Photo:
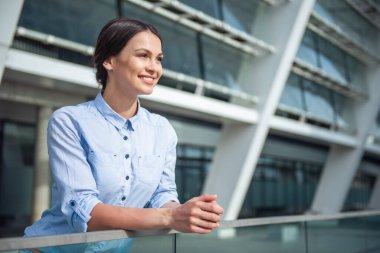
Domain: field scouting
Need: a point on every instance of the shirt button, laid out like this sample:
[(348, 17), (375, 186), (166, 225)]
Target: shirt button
[(123, 198), (72, 203), (125, 138), (127, 178), (126, 156)]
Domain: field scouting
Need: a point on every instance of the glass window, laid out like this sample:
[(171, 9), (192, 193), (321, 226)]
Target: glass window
[(17, 160), (192, 166), (341, 14), (343, 112), (179, 43), (78, 21), (307, 50), (360, 191), (318, 101), (225, 65), (356, 73), (240, 14), (375, 130), (322, 11), (210, 7), (292, 94), (332, 60), (280, 187)]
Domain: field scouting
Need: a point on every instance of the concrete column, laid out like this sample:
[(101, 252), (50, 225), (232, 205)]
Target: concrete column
[(342, 163), (9, 15), (240, 145), (374, 201), (42, 185)]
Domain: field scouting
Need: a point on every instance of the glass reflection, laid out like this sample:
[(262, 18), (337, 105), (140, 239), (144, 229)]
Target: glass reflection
[(16, 169), (78, 21), (225, 65), (240, 14), (343, 112), (210, 7), (341, 14), (332, 61), (307, 50), (345, 235), (292, 94), (318, 101), (271, 238), (180, 44)]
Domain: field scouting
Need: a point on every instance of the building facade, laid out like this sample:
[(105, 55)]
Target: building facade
[(275, 102)]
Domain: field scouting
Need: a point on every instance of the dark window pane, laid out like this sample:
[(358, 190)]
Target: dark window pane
[(240, 14), (332, 60), (78, 21), (210, 7), (307, 50), (292, 94), (179, 43), (318, 101), (224, 65), (17, 160), (343, 112), (357, 28)]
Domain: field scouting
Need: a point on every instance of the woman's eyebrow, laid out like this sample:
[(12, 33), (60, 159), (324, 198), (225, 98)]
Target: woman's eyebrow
[(147, 50)]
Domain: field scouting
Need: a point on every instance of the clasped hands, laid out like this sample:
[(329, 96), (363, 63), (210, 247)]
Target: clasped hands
[(198, 215)]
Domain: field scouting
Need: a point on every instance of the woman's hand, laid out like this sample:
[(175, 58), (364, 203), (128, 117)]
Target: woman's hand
[(198, 215)]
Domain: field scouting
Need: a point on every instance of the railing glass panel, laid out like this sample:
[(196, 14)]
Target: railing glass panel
[(350, 232), (271, 238), (346, 235)]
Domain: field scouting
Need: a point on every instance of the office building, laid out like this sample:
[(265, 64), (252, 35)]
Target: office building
[(275, 102)]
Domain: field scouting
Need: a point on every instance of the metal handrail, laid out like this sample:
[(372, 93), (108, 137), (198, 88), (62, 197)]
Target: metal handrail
[(75, 238)]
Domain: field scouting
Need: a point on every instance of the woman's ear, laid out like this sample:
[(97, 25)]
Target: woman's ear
[(107, 64)]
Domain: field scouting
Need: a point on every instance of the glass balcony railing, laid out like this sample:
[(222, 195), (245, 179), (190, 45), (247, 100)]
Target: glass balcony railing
[(344, 232)]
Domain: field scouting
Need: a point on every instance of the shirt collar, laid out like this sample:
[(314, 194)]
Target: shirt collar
[(113, 117)]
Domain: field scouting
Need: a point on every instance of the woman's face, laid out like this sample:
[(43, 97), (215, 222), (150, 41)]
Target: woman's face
[(137, 68)]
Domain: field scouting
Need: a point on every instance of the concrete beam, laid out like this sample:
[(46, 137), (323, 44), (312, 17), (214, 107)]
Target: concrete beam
[(240, 145), (342, 162), (9, 15)]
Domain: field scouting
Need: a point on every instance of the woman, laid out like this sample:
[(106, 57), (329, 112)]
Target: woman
[(110, 157)]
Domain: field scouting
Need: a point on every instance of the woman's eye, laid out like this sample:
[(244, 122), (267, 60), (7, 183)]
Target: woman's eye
[(143, 55), (159, 59)]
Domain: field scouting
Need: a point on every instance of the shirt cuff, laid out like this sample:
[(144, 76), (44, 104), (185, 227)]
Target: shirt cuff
[(82, 207), (162, 199)]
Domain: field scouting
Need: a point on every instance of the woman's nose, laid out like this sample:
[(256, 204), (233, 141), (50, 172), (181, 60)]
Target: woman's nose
[(153, 66)]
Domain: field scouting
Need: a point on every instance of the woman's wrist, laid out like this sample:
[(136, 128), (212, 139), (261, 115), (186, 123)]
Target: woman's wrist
[(168, 214)]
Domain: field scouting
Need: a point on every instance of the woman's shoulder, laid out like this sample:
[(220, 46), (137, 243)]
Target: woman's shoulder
[(72, 113), (154, 119)]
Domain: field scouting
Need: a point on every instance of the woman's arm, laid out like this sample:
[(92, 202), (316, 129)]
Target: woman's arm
[(198, 215)]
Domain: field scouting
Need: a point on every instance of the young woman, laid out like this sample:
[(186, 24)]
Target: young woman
[(112, 160)]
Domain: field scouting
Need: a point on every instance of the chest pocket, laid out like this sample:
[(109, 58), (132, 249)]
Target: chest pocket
[(148, 168), (107, 168)]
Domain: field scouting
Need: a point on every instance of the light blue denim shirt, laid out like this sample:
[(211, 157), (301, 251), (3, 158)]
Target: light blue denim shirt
[(97, 156)]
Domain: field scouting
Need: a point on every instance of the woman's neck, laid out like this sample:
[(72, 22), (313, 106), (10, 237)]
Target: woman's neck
[(125, 106)]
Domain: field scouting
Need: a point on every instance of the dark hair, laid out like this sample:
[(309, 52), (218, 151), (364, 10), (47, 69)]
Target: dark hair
[(112, 39)]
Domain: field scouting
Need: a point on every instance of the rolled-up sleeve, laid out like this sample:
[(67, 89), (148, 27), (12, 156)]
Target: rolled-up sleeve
[(76, 187), (167, 189)]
